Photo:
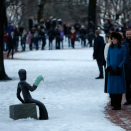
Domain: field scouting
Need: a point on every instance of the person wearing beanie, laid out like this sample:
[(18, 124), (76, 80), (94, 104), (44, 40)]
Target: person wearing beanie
[(116, 59), (127, 43)]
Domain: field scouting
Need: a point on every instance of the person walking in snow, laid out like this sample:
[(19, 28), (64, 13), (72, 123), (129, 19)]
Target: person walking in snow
[(116, 59), (73, 36)]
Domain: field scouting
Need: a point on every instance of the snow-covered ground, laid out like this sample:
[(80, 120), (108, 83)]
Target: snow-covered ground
[(74, 99)]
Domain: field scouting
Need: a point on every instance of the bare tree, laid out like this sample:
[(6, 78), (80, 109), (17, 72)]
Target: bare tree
[(3, 23)]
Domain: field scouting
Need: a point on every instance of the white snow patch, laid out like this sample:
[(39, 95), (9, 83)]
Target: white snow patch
[(74, 99)]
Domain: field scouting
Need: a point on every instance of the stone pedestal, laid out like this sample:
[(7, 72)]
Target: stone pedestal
[(20, 111)]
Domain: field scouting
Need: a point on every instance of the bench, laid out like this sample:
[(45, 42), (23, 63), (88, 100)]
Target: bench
[(21, 111)]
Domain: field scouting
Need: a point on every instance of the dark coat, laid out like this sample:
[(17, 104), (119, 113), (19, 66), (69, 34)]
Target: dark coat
[(90, 34), (116, 58), (16, 35), (51, 35), (98, 48), (82, 34), (11, 42), (68, 31), (21, 30), (57, 34), (23, 39), (77, 27), (30, 24), (48, 25), (127, 65)]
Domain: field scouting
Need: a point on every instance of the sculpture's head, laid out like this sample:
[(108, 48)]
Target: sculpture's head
[(22, 74)]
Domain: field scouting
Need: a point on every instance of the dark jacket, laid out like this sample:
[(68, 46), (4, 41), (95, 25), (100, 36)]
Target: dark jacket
[(48, 25), (16, 35), (51, 35), (82, 33), (98, 48), (77, 27), (23, 39), (11, 42), (21, 30), (42, 34), (127, 65), (30, 24), (57, 34)]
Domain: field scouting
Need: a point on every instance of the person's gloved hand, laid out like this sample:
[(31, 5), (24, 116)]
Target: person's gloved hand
[(118, 71), (109, 69), (38, 80)]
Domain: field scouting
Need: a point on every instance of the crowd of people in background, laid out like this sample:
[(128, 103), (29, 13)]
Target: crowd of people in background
[(55, 30), (51, 29), (112, 25)]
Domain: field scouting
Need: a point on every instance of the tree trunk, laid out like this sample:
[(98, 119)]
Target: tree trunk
[(3, 23), (92, 14)]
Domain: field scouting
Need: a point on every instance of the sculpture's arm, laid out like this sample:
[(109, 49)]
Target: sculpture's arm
[(18, 95), (29, 87), (36, 83)]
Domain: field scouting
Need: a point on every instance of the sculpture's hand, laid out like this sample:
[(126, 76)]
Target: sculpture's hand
[(38, 80)]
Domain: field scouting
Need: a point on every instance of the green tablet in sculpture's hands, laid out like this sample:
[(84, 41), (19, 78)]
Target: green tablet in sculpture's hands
[(38, 80)]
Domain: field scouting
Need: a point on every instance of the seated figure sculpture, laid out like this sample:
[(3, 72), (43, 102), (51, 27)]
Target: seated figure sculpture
[(26, 88)]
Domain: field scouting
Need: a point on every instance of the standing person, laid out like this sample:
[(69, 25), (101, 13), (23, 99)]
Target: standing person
[(68, 34), (11, 44), (54, 23), (48, 26), (30, 23), (127, 43), (57, 36), (5, 40), (77, 27), (43, 39), (106, 27), (73, 36), (30, 38), (65, 29), (116, 59), (83, 35), (9, 28), (16, 35), (23, 40), (108, 43), (98, 53), (61, 29), (90, 36), (36, 38), (21, 28), (51, 37), (35, 23)]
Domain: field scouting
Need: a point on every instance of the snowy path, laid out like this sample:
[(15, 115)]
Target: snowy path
[(74, 99)]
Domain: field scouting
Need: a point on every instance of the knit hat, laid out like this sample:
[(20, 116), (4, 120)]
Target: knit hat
[(116, 35)]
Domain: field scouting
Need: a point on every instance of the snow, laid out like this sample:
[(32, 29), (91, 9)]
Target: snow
[(74, 99)]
